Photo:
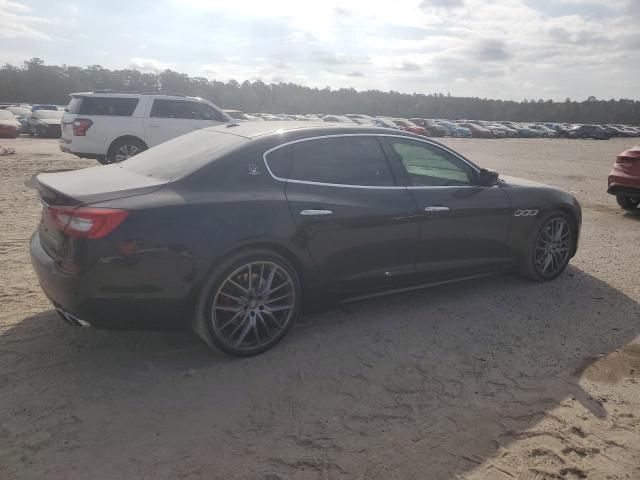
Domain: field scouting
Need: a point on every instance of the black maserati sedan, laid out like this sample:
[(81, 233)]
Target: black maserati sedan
[(232, 229)]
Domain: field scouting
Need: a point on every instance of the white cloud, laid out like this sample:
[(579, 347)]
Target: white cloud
[(148, 64), (16, 23)]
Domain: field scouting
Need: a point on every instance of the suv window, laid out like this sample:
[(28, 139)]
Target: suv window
[(341, 160), (113, 106), (428, 165), (185, 110)]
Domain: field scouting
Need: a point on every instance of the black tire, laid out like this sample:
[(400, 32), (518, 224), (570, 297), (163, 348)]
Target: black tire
[(529, 267), (628, 203), (209, 326), (128, 146)]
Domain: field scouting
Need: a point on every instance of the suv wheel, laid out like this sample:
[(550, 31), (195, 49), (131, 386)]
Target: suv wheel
[(249, 303), (628, 203), (124, 148)]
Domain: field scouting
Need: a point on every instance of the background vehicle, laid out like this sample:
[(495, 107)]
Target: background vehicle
[(409, 126), (455, 130), (9, 124), (477, 130), (545, 132), (35, 108), (45, 123), (595, 132), (624, 179), (158, 236), (112, 127), (432, 128)]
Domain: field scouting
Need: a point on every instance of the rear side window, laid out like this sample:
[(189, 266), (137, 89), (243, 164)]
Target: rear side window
[(111, 106), (341, 160), (279, 162)]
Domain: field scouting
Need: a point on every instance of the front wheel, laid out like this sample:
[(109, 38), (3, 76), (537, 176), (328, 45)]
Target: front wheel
[(249, 303), (628, 203), (549, 251)]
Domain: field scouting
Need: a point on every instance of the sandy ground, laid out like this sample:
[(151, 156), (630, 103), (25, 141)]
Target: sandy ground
[(493, 379)]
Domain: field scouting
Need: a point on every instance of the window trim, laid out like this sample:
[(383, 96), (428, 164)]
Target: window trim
[(370, 187)]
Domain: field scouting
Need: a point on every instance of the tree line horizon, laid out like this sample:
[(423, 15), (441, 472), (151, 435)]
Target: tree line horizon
[(35, 82)]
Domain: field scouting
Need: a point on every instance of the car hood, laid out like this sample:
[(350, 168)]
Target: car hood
[(521, 182), (8, 123)]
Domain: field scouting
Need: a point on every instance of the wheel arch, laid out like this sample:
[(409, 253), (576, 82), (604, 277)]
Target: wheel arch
[(298, 257), (125, 137)]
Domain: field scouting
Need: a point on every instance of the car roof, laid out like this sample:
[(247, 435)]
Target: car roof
[(109, 93), (253, 130)]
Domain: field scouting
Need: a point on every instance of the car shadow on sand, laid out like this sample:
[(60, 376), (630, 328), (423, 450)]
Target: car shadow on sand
[(423, 385)]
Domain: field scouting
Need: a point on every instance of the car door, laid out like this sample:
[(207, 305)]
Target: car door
[(358, 225), (464, 226), (167, 119)]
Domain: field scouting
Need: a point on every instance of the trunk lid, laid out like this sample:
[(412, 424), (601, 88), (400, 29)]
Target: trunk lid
[(82, 187), (629, 161)]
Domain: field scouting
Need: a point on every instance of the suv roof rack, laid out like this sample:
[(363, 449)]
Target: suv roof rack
[(159, 92)]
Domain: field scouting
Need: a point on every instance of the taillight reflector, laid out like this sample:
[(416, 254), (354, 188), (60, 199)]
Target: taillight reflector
[(80, 126), (87, 222)]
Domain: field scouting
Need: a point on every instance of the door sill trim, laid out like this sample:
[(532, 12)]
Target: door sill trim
[(418, 287)]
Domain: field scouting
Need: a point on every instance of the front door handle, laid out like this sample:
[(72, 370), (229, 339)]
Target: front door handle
[(315, 213), (436, 209)]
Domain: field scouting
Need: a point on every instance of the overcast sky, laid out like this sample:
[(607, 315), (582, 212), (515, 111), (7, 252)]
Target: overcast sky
[(509, 49)]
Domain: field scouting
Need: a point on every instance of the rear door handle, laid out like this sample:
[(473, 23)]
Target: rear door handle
[(436, 209), (315, 213)]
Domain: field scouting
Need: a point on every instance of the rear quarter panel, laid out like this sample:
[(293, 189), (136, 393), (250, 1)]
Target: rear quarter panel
[(174, 237)]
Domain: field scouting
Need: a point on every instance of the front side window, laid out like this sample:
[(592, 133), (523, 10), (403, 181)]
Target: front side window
[(341, 160), (428, 165), (202, 111)]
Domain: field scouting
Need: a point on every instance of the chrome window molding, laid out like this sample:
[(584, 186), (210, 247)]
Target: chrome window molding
[(375, 187)]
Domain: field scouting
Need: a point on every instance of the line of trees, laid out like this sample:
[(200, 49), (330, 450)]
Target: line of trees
[(35, 82)]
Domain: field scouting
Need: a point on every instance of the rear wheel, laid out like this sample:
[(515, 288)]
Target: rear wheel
[(249, 303), (628, 203), (549, 251), (124, 148)]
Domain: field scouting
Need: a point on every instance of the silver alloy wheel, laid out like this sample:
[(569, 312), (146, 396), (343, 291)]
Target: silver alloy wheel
[(553, 247), (126, 151), (253, 305)]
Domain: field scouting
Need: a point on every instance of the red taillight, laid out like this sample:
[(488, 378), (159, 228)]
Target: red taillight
[(87, 222), (80, 126)]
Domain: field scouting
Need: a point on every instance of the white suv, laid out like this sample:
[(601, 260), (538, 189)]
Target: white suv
[(111, 127)]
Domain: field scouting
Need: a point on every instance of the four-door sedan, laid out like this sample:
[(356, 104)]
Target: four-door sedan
[(232, 228)]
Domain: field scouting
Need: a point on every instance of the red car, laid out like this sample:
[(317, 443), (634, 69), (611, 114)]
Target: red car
[(624, 179), (8, 124), (410, 126)]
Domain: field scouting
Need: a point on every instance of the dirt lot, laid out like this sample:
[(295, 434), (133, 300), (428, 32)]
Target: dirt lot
[(493, 379)]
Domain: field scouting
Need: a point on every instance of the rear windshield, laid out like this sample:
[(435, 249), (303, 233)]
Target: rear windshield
[(183, 155), (48, 114), (112, 106)]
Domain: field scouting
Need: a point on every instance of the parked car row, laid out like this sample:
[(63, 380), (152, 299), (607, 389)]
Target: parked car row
[(466, 128), (40, 119)]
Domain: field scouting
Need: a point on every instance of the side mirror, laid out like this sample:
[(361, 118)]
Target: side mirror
[(488, 178)]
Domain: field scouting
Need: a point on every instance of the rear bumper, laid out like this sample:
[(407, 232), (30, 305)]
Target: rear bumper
[(66, 147), (79, 299), (623, 183)]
